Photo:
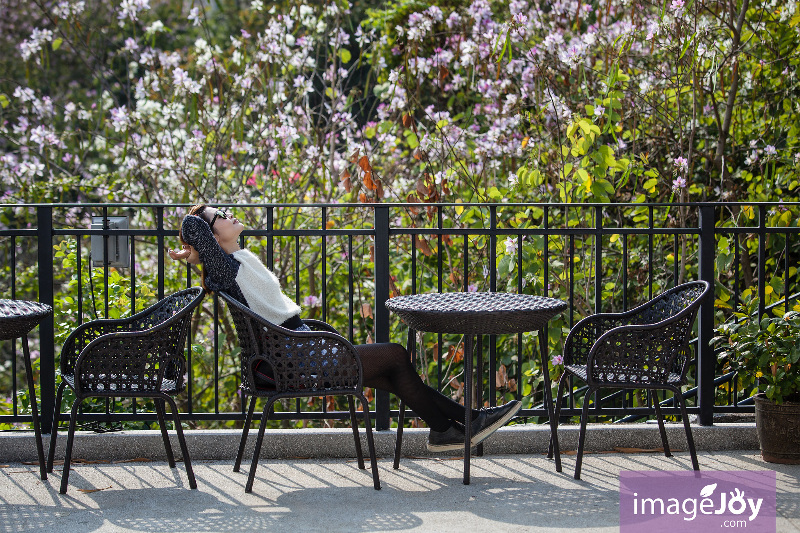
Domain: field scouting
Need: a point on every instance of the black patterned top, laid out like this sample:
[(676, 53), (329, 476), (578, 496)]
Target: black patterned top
[(241, 274)]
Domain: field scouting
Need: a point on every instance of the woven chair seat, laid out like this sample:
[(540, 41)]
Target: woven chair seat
[(168, 386), (18, 317), (622, 377)]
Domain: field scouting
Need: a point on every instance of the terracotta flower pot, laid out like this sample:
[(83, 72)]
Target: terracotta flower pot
[(778, 428)]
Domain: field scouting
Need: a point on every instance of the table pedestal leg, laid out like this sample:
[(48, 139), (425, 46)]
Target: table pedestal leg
[(37, 429), (467, 404), (548, 395)]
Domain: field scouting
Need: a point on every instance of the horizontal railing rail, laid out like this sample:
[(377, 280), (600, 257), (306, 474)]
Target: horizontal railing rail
[(597, 257)]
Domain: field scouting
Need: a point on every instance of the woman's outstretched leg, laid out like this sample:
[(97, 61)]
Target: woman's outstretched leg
[(387, 366)]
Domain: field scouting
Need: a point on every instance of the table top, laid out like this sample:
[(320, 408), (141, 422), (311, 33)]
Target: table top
[(477, 313), (18, 317)]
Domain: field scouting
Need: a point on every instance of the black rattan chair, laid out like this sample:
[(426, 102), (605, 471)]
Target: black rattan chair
[(136, 357), (644, 348), (305, 364)]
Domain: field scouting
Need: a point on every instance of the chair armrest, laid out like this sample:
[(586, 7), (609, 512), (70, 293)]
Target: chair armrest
[(637, 353), (319, 325), (585, 333), (83, 335)]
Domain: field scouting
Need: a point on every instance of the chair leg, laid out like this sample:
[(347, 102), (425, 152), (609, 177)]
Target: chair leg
[(376, 482), (163, 425), (70, 437), (582, 438), (661, 427), (354, 424), (556, 414), (687, 427), (187, 461), (398, 445), (54, 432), (257, 451), (245, 431)]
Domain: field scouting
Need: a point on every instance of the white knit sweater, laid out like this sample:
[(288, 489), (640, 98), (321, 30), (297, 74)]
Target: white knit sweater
[(262, 289)]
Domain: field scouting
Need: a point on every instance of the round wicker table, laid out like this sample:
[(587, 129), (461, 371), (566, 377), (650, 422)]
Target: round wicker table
[(481, 313), (17, 318)]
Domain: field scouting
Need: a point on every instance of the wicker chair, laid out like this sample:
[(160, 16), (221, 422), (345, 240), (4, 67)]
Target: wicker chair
[(644, 348), (136, 357), (305, 364)]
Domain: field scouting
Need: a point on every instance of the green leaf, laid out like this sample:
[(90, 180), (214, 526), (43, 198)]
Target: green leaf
[(4, 100), (345, 55), (56, 44)]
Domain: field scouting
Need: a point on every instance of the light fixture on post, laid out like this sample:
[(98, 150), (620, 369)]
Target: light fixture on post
[(118, 245)]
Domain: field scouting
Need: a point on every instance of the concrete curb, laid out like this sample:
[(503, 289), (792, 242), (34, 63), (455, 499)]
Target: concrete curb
[(327, 443)]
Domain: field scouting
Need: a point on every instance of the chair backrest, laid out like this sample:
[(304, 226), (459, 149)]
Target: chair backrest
[(683, 298), (650, 355), (300, 361), (138, 364)]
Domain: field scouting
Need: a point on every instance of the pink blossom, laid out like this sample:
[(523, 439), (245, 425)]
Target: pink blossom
[(557, 360)]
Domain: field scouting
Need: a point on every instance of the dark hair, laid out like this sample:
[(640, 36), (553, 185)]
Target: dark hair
[(196, 210)]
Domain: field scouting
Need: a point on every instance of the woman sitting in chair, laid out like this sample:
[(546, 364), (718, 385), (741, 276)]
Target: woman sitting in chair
[(211, 238)]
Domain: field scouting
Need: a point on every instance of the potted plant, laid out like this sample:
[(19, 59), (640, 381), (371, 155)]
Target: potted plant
[(766, 354)]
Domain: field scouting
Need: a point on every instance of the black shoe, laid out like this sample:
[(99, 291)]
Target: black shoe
[(450, 439), (491, 419)]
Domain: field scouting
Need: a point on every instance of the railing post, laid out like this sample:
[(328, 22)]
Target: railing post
[(47, 371), (706, 362), (382, 293)]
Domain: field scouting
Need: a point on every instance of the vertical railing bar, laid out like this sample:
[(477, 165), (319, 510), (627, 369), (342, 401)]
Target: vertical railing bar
[(382, 293), (105, 259), (598, 260), (650, 255), (762, 267), (736, 260), (14, 387), (706, 361), (47, 357), (624, 272), (216, 354), (350, 310), (440, 286), (160, 241), (325, 264), (133, 275), (189, 366), (571, 280), (297, 268), (675, 261), (786, 273), (546, 252), (518, 366), (79, 273), (466, 263)]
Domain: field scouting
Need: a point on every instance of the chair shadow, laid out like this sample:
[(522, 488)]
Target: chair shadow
[(23, 518)]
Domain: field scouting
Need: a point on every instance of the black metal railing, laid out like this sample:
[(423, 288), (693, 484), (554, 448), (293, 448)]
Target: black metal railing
[(598, 257)]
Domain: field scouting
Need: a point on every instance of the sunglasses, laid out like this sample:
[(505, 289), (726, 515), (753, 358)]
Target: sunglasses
[(218, 214)]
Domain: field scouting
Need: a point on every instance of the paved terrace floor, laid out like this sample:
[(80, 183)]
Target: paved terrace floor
[(507, 493), (519, 493)]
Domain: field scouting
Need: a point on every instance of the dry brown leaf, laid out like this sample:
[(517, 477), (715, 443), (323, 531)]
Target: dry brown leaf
[(134, 460), (368, 182), (622, 449), (422, 245), (87, 491), (366, 310), (408, 120), (354, 157), (364, 164)]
